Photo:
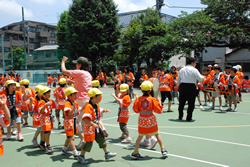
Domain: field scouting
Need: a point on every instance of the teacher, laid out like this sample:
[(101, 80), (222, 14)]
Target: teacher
[(82, 82), (186, 82)]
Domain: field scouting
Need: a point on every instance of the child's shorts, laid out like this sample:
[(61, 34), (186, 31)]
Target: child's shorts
[(174, 94), (216, 94), (99, 139), (16, 119), (151, 134), (232, 97), (39, 129)]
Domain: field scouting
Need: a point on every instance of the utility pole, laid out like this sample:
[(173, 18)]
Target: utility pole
[(3, 53), (24, 44), (11, 52)]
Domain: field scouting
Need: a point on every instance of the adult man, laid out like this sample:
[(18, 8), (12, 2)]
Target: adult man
[(186, 81), (82, 82)]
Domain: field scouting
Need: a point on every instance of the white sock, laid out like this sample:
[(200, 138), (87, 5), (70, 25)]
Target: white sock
[(146, 140), (65, 148), (75, 152)]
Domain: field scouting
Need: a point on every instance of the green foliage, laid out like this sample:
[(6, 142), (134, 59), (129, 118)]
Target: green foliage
[(147, 37), (62, 30), (18, 58), (93, 30)]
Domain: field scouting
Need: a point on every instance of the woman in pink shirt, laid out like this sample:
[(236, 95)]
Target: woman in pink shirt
[(83, 83)]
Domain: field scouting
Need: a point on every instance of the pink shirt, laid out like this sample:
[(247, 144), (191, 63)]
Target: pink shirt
[(82, 83)]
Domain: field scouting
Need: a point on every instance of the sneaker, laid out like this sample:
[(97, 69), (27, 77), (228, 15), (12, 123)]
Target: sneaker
[(229, 109), (81, 144), (153, 142), (172, 102), (201, 107), (211, 108), (170, 111), (59, 126), (210, 104), (20, 137), (42, 147), (35, 144), (164, 152), (14, 132), (221, 108), (110, 155), (226, 105), (49, 149), (76, 156), (127, 140), (136, 156), (205, 104), (25, 124), (66, 152), (145, 143), (8, 136), (82, 160), (122, 137), (235, 109)]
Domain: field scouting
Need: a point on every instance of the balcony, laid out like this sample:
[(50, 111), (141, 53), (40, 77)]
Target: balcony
[(43, 34)]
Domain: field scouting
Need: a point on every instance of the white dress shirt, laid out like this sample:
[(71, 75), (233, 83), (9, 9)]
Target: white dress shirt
[(189, 74)]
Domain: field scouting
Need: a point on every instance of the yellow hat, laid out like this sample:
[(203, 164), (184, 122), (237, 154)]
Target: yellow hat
[(25, 82), (69, 91), (94, 91), (72, 85), (17, 85), (124, 87), (146, 86), (9, 82), (38, 87), (62, 81), (95, 83), (43, 90), (20, 82)]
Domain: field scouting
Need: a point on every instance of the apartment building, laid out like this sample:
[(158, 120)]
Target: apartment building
[(37, 34)]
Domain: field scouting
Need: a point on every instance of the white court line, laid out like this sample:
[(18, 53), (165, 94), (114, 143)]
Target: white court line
[(28, 134), (238, 113), (173, 155), (193, 137)]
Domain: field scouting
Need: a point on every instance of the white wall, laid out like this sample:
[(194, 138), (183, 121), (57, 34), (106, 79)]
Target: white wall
[(175, 61)]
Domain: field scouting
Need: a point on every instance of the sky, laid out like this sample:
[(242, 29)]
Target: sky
[(48, 11)]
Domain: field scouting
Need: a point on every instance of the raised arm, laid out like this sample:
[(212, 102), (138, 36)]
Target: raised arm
[(63, 68)]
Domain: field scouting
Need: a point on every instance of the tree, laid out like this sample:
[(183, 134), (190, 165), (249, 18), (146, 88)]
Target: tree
[(147, 38), (18, 57), (224, 23), (62, 30), (93, 30)]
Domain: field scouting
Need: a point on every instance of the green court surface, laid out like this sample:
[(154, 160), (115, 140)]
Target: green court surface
[(214, 139)]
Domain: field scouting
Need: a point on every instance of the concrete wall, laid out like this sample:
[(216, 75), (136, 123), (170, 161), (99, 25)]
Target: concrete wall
[(178, 63), (238, 56)]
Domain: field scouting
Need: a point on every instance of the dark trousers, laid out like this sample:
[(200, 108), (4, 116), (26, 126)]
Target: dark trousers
[(101, 83), (187, 93)]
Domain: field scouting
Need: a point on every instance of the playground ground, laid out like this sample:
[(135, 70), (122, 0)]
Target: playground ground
[(214, 138)]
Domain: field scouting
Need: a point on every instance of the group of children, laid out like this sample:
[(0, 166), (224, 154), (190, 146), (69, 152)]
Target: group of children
[(52, 81), (18, 100)]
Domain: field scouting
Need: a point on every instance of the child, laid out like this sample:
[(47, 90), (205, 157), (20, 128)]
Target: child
[(62, 98), (5, 79), (30, 93), (45, 107), (174, 92), (93, 126), (33, 106), (217, 81), (124, 101), (71, 110), (14, 131), (117, 79), (49, 81), (146, 106), (206, 94), (197, 95), (4, 119), (54, 81), (1, 80), (246, 84), (14, 99), (233, 83)]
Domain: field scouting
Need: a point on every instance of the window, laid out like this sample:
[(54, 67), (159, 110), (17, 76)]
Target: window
[(48, 55), (32, 29), (6, 49), (51, 41), (33, 40), (52, 35), (40, 29), (246, 67)]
